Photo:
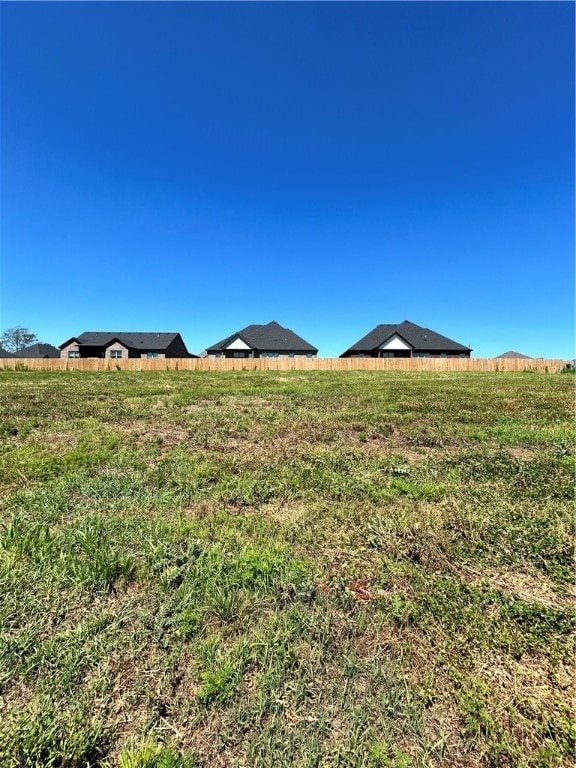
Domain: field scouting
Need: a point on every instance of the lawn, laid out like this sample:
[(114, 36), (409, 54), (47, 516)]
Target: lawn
[(303, 569)]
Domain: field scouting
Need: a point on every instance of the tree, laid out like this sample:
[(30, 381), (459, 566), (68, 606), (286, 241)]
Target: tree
[(15, 339)]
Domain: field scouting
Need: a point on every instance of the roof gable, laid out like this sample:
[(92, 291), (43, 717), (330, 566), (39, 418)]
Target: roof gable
[(395, 342), (238, 343)]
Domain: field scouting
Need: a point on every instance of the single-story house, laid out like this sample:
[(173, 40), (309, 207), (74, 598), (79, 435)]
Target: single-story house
[(270, 340), (406, 340), (118, 344), (38, 351), (511, 355)]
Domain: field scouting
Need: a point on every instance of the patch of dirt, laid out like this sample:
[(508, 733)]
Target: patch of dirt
[(203, 404), (57, 439), (518, 452), (533, 689), (201, 509), (531, 587), (536, 673), (16, 695), (287, 513), (443, 727), (165, 436)]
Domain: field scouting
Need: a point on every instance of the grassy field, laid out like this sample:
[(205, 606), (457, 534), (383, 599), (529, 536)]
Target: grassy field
[(307, 569)]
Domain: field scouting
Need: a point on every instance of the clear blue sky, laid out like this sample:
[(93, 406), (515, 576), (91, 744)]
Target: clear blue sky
[(198, 167)]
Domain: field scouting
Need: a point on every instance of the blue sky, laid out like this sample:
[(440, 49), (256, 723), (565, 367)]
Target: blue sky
[(198, 167)]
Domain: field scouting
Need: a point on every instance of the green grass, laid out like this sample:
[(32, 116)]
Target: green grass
[(336, 570)]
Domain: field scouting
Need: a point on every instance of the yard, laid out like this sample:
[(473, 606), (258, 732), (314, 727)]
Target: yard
[(286, 569)]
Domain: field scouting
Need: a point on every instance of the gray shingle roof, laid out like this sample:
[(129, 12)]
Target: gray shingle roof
[(5, 353), (511, 355), (271, 337), (420, 339), (38, 350), (131, 339)]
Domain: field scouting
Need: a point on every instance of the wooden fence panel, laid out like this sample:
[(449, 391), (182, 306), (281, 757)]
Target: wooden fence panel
[(410, 364)]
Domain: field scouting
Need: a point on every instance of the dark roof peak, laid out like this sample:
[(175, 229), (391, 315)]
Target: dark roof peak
[(131, 333), (38, 350), (417, 337), (269, 337), (153, 340), (511, 355)]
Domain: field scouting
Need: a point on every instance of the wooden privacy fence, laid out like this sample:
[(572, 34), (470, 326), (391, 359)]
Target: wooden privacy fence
[(413, 364)]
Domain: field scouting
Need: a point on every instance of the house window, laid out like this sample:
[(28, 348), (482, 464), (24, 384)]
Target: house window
[(115, 353), (151, 354), (443, 354), (73, 353), (309, 354), (217, 354), (421, 354), (360, 354), (239, 354), (387, 354), (462, 354), (290, 354)]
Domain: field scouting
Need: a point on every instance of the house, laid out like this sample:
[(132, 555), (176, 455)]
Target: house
[(5, 353), (511, 355), (38, 351), (406, 340), (270, 340), (118, 344)]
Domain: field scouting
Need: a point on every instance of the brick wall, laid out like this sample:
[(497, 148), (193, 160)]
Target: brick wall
[(72, 347), (116, 346)]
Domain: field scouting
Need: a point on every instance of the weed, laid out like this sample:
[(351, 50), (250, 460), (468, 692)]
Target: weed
[(222, 676), (46, 735), (150, 755), (91, 562)]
